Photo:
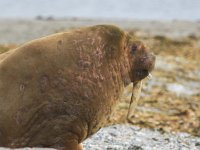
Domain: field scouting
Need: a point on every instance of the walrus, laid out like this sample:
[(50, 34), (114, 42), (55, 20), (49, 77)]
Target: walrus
[(58, 90)]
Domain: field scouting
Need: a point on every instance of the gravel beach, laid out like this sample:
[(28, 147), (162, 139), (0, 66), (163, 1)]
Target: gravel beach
[(126, 137)]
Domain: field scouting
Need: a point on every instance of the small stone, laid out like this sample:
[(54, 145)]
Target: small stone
[(197, 144)]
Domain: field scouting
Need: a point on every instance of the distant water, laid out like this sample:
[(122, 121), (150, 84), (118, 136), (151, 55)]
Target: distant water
[(116, 9)]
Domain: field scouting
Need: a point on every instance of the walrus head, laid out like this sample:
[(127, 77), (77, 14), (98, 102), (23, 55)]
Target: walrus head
[(141, 60)]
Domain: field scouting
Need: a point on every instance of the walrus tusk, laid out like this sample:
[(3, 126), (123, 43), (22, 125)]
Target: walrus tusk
[(134, 99), (149, 76)]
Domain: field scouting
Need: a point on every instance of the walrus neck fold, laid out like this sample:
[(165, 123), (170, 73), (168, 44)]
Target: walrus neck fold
[(125, 70)]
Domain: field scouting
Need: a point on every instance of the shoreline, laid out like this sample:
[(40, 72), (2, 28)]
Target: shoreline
[(18, 31)]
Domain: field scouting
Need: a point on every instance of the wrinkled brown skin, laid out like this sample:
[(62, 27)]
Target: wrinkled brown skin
[(58, 90)]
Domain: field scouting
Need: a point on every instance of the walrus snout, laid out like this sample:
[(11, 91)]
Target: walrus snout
[(148, 62), (143, 66), (143, 62)]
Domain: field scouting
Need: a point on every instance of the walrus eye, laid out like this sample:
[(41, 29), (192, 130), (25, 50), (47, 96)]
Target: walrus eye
[(134, 48)]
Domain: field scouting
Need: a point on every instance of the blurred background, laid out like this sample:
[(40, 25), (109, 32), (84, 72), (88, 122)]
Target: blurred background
[(170, 101), (114, 9)]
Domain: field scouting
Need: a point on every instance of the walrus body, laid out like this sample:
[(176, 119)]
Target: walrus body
[(58, 90)]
